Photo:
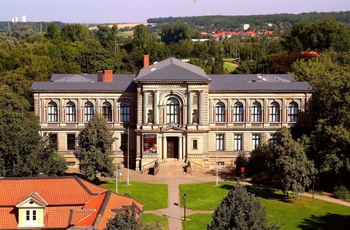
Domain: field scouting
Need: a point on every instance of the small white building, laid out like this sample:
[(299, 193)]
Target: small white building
[(244, 26)]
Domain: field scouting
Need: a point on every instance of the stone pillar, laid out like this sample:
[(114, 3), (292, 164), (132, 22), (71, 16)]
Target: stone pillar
[(180, 148), (189, 106), (164, 148), (138, 152), (144, 107), (248, 111), (184, 152), (283, 108), (200, 106), (155, 107)]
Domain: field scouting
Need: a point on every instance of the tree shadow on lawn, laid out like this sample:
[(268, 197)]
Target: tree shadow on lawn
[(328, 221), (266, 193)]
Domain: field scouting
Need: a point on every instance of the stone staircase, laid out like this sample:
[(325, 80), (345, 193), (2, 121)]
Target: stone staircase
[(171, 167)]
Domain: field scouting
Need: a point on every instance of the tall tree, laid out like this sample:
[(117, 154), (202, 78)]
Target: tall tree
[(240, 210), (124, 219), (173, 33), (293, 167), (94, 149)]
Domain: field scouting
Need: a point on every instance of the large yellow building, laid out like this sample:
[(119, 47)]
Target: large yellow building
[(172, 110)]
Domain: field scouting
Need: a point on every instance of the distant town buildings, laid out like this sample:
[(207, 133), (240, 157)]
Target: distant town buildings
[(15, 19), (244, 26)]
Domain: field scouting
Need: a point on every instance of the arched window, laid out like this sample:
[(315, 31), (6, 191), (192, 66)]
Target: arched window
[(70, 112), (125, 112), (238, 112), (107, 111), (256, 112), (52, 113), (88, 111), (293, 112), (172, 111), (274, 112), (220, 112)]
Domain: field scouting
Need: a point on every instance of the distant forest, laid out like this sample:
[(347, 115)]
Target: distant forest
[(258, 22)]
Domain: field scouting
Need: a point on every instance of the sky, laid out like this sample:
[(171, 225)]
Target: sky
[(138, 11)]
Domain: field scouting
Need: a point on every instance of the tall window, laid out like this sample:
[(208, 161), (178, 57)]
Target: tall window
[(107, 111), (88, 111), (70, 112), (256, 112), (255, 141), (293, 112), (52, 113), (172, 111), (125, 112), (70, 141), (195, 144), (53, 138), (273, 140), (274, 112), (220, 112), (238, 112), (238, 142), (220, 141)]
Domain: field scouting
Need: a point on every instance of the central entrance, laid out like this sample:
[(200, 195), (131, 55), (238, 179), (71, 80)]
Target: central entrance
[(172, 147)]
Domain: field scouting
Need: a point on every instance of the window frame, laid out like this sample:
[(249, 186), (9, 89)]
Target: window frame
[(273, 140), (293, 112), (256, 112), (125, 112), (89, 111), (70, 145), (194, 144), (238, 142), (107, 111), (52, 113), (220, 112), (172, 111), (31, 217), (71, 112), (256, 139), (220, 142), (238, 112), (275, 112)]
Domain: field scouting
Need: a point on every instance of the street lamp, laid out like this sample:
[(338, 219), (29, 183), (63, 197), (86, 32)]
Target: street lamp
[(184, 196)]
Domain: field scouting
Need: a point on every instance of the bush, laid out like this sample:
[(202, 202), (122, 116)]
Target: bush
[(241, 161), (341, 192)]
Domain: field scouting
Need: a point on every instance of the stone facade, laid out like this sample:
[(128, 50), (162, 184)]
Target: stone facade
[(173, 111)]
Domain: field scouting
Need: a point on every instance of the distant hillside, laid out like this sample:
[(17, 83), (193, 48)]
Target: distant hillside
[(269, 21)]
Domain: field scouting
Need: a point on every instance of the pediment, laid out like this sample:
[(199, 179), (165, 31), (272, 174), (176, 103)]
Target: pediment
[(33, 200)]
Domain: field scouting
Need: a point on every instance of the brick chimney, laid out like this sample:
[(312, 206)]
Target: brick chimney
[(99, 76), (145, 60), (108, 75)]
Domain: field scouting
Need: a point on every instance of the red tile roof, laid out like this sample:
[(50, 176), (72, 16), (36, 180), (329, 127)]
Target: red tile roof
[(68, 201)]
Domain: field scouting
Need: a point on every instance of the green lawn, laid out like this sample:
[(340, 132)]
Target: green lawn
[(153, 196), (229, 68), (161, 221), (303, 213)]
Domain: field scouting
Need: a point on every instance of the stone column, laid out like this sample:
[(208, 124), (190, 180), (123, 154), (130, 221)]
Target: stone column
[(184, 152), (200, 106), (189, 106), (138, 152), (180, 148), (144, 107), (155, 107), (284, 107)]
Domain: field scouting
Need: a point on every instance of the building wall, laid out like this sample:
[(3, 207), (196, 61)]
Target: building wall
[(197, 121)]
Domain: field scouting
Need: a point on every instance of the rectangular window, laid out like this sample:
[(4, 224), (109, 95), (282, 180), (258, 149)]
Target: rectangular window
[(31, 217), (34, 215), (220, 141), (255, 141), (70, 141), (238, 145), (27, 215), (273, 140), (53, 138), (194, 144), (124, 142)]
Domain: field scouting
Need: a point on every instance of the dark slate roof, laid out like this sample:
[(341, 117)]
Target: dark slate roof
[(172, 70), (81, 83), (257, 83)]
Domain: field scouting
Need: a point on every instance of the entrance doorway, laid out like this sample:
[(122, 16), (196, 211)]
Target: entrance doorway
[(172, 147)]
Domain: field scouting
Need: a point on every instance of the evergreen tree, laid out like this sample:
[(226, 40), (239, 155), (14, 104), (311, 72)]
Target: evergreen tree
[(123, 220), (240, 210), (293, 167), (94, 149)]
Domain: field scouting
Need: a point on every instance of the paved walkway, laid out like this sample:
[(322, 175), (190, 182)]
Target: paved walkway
[(174, 212)]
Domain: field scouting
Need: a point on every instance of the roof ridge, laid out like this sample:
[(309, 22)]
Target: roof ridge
[(102, 208)]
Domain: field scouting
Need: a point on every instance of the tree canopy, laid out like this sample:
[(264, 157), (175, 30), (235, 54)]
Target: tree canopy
[(94, 149)]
